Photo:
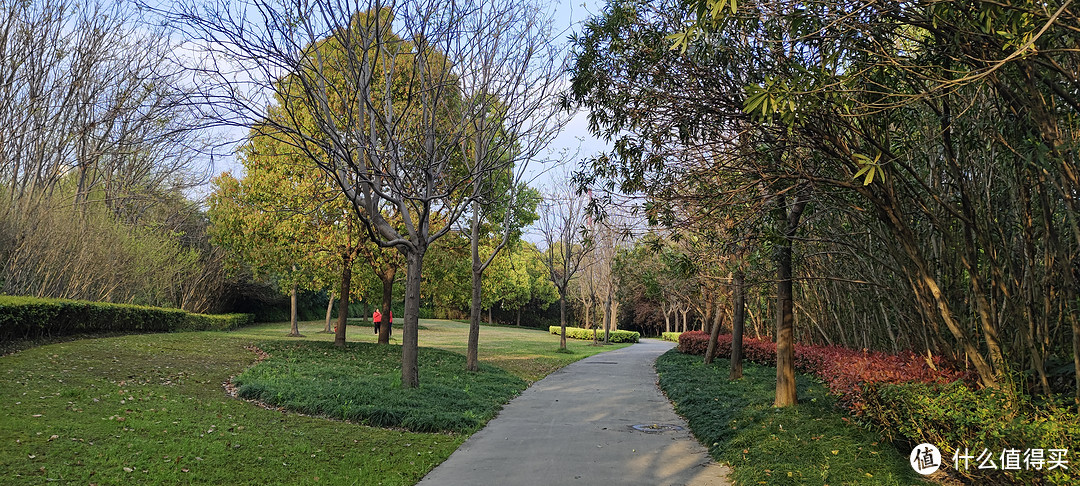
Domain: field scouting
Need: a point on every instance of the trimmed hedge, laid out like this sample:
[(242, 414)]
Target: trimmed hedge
[(670, 336), (613, 337), (33, 318)]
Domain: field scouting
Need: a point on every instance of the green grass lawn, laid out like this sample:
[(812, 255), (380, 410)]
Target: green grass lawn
[(152, 409), (811, 443)]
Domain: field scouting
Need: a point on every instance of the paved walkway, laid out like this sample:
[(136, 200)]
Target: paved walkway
[(575, 427)]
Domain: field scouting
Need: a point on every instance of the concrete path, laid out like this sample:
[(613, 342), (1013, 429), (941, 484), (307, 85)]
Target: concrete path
[(575, 427)]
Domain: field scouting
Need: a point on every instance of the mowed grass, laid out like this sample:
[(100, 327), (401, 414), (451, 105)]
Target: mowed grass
[(152, 409), (811, 443), (521, 351)]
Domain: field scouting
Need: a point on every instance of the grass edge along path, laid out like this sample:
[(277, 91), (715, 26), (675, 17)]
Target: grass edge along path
[(811, 443), (151, 409)]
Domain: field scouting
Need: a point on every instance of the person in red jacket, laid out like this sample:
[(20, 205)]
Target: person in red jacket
[(376, 318)]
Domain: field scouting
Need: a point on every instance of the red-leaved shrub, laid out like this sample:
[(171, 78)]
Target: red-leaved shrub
[(843, 370)]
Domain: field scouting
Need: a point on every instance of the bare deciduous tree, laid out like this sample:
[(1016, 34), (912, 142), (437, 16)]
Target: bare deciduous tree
[(95, 120), (383, 96), (563, 223)]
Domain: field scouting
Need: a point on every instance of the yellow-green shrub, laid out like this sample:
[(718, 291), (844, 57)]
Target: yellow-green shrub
[(670, 336), (614, 336), (954, 417)]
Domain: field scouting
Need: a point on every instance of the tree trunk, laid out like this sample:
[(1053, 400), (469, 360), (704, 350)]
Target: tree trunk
[(293, 313), (786, 394), (714, 333), (737, 324), (329, 311), (562, 319), (607, 318), (387, 278), (788, 216), (367, 322), (410, 373), (343, 300), (706, 320), (472, 359), (1075, 324), (614, 315)]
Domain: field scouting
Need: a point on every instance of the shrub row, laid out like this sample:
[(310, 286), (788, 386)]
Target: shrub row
[(613, 337), (910, 402), (670, 336), (33, 318), (846, 372), (957, 418)]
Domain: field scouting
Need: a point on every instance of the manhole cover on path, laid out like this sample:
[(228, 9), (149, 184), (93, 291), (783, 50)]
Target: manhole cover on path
[(655, 427)]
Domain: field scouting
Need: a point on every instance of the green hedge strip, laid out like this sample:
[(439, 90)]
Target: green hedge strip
[(670, 336), (33, 318), (614, 337)]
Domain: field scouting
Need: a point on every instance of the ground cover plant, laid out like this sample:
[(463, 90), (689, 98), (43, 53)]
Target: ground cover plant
[(152, 409), (813, 443), (362, 382)]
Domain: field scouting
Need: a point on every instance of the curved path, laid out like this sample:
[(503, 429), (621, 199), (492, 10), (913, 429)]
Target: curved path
[(576, 427)]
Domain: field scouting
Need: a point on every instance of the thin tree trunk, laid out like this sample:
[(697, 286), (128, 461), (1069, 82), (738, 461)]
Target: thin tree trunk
[(562, 320), (294, 313), (1075, 323), (472, 360), (932, 300), (385, 328), (607, 319), (714, 333), (737, 324), (343, 300), (329, 311)]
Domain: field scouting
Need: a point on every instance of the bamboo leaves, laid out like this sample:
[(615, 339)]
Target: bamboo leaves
[(868, 168)]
